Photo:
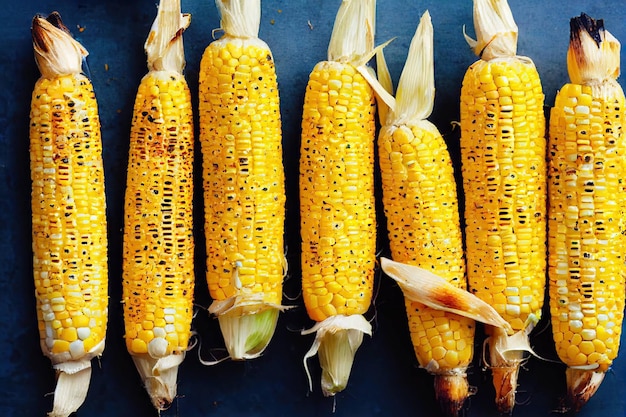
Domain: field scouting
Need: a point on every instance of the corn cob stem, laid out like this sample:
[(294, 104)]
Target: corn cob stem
[(587, 205), (158, 242), (240, 135), (68, 203), (338, 228), (503, 155)]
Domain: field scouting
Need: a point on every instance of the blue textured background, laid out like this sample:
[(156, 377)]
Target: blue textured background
[(385, 380)]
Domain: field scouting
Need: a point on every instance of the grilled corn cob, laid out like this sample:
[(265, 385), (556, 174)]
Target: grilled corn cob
[(587, 240), (68, 211), (421, 207), (503, 152), (338, 225), (158, 260), (244, 195)]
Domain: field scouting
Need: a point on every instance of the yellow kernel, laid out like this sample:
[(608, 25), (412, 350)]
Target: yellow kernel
[(324, 299), (579, 359), (147, 325), (449, 344), (146, 335), (586, 347), (69, 334), (339, 301), (60, 346), (62, 315), (139, 346), (89, 343), (329, 310), (572, 351), (603, 367), (333, 287), (312, 303), (590, 322), (452, 358), (173, 339), (517, 323), (465, 355), (439, 353), (460, 345), (435, 341), (599, 346), (80, 321)]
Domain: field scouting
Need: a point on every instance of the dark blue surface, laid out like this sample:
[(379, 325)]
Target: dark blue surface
[(385, 380)]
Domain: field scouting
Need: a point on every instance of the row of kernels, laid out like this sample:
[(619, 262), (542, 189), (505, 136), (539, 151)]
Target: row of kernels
[(440, 336)]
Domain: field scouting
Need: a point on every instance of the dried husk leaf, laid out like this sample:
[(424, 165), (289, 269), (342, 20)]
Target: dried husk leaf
[(416, 89), (593, 56), (423, 286), (352, 38), (336, 339), (164, 45), (582, 384), (240, 18), (496, 31), (159, 376), (57, 53)]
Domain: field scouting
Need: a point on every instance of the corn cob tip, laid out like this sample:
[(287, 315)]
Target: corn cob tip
[(247, 334), (159, 377), (415, 97), (352, 38), (336, 341), (582, 384), (56, 51), (496, 31), (593, 55), (451, 391), (240, 18), (164, 45)]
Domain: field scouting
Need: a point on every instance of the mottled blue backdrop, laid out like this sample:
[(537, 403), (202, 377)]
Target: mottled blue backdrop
[(385, 380)]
